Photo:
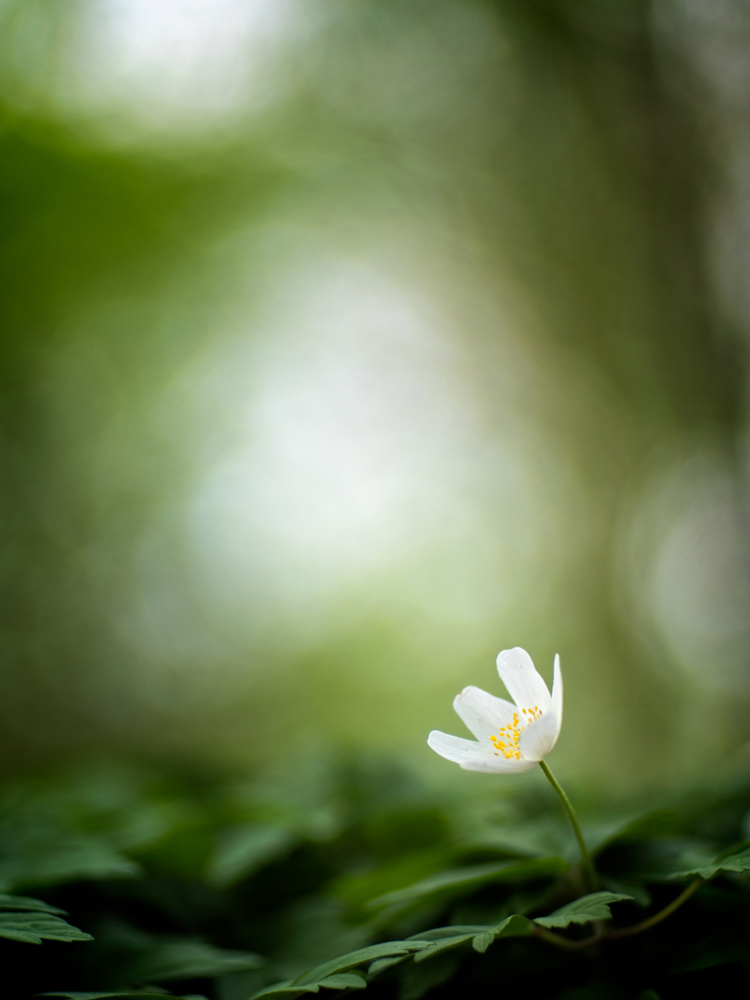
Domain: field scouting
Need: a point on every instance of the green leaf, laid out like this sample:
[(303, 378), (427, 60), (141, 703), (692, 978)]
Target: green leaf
[(406, 868), (582, 911), (736, 861), (344, 962), (381, 964), (515, 925), (440, 946), (344, 981), (8, 902), (482, 941), (443, 939), (50, 860), (31, 928), (641, 895), (141, 994), (185, 958), (442, 932), (634, 828), (285, 989), (340, 981), (242, 850), (420, 979), (472, 877)]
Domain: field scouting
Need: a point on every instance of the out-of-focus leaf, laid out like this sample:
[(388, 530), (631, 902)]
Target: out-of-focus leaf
[(242, 850), (312, 931), (472, 877), (636, 827), (595, 906), (50, 861), (737, 859), (417, 980), (33, 927), (641, 895), (8, 902), (541, 838), (187, 959), (358, 889)]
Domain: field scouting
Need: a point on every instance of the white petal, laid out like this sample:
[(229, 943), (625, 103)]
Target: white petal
[(538, 739), (473, 757), (557, 693), (524, 684), (483, 713)]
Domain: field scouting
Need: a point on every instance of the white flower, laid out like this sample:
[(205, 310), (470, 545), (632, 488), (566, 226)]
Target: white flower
[(510, 738)]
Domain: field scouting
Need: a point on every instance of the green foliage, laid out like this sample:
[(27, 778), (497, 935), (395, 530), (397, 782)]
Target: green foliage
[(33, 927), (183, 958), (350, 875), (473, 877), (35, 921), (595, 906), (737, 859)]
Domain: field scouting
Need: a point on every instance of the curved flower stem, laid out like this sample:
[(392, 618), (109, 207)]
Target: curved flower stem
[(588, 865), (570, 945), (662, 914)]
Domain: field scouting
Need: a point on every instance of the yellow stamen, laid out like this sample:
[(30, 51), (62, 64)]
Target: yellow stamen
[(512, 732)]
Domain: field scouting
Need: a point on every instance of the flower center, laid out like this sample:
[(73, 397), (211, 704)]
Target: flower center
[(508, 743)]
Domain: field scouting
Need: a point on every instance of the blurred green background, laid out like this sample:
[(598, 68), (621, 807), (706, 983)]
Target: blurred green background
[(347, 342)]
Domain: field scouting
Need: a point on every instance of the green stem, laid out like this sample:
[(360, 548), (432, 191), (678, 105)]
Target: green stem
[(561, 942), (588, 865), (662, 914)]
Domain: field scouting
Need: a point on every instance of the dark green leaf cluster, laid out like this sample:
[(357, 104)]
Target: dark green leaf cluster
[(351, 875)]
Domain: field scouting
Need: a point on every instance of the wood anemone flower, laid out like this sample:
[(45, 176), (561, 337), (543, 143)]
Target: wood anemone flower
[(509, 738)]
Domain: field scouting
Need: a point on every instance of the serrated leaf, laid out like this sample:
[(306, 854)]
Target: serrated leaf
[(442, 932), (381, 964), (516, 925), (481, 942), (343, 981), (187, 959), (472, 877), (595, 906), (32, 928), (446, 944), (8, 902), (442, 939), (359, 957), (140, 994), (641, 895), (736, 862), (339, 981), (285, 989)]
